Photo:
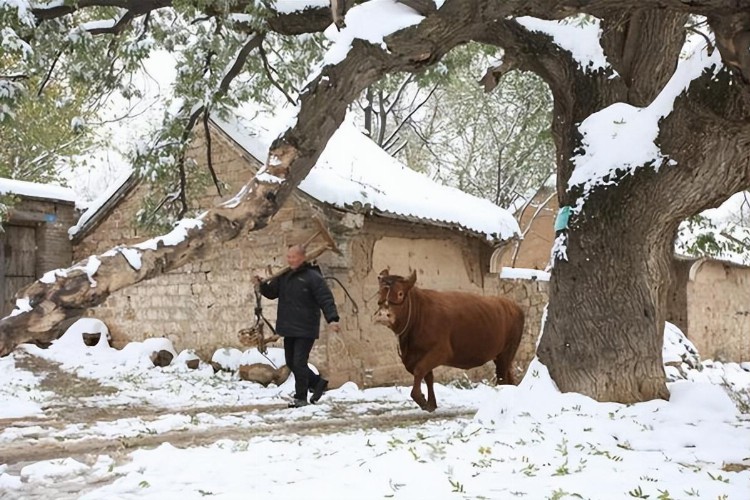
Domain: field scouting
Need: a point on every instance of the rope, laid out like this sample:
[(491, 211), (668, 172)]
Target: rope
[(403, 330), (259, 316), (259, 327), (408, 318), (355, 307)]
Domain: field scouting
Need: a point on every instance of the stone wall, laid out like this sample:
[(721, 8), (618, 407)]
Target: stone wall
[(204, 304), (718, 305), (532, 296)]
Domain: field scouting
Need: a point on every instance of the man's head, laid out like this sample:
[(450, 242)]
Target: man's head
[(295, 256)]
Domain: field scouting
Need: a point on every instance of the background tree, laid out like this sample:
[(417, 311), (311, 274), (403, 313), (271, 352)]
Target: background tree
[(604, 329), (43, 130), (496, 146), (722, 234), (54, 78)]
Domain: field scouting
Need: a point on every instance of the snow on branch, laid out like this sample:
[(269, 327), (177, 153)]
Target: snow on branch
[(620, 139), (109, 26), (371, 21), (579, 36)]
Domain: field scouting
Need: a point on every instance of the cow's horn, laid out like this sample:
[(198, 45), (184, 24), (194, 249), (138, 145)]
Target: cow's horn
[(412, 278)]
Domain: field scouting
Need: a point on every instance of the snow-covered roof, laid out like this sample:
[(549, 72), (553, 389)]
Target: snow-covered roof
[(99, 206), (36, 190), (355, 172)]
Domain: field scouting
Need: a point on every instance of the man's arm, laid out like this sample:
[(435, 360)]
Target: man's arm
[(269, 289), (324, 299)]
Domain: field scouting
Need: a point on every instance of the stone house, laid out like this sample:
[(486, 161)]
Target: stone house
[(709, 301), (380, 213), (34, 236)]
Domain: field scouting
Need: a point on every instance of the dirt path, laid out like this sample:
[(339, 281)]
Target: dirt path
[(274, 420), (17, 455)]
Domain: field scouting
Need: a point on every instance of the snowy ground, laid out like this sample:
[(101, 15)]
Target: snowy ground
[(108, 425)]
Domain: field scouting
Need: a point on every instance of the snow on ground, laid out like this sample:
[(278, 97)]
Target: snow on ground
[(19, 394), (528, 441)]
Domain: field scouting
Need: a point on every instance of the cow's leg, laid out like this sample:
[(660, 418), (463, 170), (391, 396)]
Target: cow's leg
[(422, 371), (431, 401), (416, 391)]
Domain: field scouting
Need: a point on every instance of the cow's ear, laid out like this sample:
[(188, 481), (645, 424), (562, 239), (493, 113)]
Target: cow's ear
[(382, 274), (412, 279)]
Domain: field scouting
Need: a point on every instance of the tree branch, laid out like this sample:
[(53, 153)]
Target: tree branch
[(737, 241), (118, 27), (254, 43), (400, 91), (49, 73), (269, 73), (424, 7), (411, 113), (209, 159)]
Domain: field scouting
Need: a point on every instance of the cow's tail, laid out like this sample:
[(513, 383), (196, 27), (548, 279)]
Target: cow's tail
[(504, 361)]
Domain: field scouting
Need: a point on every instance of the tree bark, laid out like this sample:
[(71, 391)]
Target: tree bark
[(605, 320)]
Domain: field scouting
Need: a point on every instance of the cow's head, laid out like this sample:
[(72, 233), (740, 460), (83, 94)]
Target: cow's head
[(393, 297)]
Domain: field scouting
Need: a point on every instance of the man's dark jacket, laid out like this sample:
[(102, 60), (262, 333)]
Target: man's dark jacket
[(302, 293)]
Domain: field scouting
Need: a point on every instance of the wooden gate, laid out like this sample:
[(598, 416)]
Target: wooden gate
[(18, 256)]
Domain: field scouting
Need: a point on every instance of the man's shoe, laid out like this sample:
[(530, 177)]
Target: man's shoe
[(320, 388), (298, 403)]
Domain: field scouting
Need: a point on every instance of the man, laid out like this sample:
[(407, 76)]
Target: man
[(302, 294)]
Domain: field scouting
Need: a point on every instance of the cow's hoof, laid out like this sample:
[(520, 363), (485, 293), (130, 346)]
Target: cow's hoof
[(430, 407)]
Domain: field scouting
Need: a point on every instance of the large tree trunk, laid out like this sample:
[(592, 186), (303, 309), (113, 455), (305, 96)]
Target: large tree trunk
[(608, 297), (603, 331)]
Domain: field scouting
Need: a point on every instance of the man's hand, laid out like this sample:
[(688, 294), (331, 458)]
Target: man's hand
[(334, 326), (257, 280)]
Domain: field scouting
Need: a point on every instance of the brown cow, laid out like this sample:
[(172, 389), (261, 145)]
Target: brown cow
[(457, 329)]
